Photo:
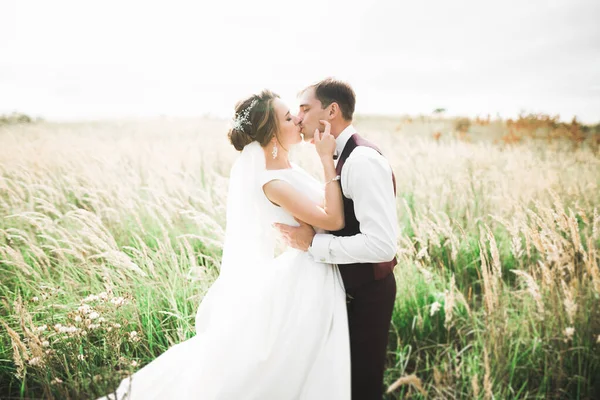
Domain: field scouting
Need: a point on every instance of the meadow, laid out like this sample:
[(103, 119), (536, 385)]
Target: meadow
[(111, 232)]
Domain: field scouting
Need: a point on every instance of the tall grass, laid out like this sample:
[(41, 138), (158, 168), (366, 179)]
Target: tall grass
[(111, 233)]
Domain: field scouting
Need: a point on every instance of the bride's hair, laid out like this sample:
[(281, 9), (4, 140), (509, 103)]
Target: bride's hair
[(255, 120)]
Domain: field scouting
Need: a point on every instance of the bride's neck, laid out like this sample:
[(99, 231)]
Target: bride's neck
[(282, 160)]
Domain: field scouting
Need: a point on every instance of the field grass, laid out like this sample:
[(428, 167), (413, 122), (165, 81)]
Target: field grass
[(111, 233)]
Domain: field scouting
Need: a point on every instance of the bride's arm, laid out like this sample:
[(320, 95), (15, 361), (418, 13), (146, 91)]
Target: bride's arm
[(329, 216)]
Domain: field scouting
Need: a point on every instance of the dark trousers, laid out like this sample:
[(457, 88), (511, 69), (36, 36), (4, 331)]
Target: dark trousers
[(370, 308)]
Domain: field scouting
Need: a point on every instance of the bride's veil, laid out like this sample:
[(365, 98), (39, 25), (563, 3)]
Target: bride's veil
[(249, 238)]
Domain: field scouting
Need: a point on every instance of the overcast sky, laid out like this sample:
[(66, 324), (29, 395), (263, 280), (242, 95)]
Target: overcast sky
[(72, 59)]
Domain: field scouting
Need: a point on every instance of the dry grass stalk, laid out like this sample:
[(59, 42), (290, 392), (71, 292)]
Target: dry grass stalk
[(533, 289), (412, 380), (487, 383)]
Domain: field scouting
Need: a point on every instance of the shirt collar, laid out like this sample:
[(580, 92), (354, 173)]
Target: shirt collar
[(342, 139)]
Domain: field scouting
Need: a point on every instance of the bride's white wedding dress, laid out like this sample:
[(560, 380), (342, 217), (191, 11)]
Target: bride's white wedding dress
[(269, 327)]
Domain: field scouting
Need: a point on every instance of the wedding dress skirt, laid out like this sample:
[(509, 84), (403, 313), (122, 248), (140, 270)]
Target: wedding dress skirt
[(284, 336), (276, 331)]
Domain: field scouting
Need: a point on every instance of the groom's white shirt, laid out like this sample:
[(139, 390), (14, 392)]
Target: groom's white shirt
[(367, 180)]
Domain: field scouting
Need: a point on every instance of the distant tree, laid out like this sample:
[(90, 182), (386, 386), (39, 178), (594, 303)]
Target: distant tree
[(15, 118)]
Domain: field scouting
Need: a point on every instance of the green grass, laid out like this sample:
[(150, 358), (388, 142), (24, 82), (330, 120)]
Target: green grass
[(92, 211)]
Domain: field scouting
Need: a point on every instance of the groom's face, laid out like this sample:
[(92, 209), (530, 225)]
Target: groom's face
[(310, 113)]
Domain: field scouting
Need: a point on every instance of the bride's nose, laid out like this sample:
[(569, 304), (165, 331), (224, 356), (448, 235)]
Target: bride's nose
[(296, 120)]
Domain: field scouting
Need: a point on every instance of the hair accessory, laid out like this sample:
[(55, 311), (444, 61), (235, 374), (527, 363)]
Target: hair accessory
[(243, 118)]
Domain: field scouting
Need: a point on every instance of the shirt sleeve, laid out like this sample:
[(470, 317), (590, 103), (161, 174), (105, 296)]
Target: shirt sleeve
[(367, 180)]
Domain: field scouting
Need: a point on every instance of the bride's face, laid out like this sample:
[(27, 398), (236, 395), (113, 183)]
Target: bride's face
[(289, 125)]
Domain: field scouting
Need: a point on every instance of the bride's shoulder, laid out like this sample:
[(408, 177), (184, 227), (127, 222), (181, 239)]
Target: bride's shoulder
[(273, 174)]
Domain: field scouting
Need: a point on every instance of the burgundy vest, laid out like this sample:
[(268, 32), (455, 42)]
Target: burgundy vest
[(355, 275)]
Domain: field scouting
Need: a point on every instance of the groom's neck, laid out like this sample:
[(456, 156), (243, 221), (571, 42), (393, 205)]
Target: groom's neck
[(338, 128)]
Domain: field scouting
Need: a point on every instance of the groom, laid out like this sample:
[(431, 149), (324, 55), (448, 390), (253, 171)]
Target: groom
[(365, 249)]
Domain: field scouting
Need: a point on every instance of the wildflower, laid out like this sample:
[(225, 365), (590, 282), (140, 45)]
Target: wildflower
[(35, 361), (103, 296), (435, 307), (598, 340), (56, 381), (117, 326), (35, 299), (93, 315), (133, 336), (41, 328), (77, 318), (117, 301), (45, 343), (94, 326), (90, 298), (134, 363), (101, 320), (569, 332), (65, 329), (80, 357), (84, 309)]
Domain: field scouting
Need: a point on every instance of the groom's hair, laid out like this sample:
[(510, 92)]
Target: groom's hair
[(331, 90)]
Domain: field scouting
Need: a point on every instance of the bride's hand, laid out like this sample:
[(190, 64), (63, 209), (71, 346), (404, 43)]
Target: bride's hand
[(325, 142)]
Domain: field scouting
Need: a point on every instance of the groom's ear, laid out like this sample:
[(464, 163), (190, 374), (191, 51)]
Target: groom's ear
[(334, 110)]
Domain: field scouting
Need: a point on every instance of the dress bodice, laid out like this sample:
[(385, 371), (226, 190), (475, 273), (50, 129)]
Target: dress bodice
[(301, 181)]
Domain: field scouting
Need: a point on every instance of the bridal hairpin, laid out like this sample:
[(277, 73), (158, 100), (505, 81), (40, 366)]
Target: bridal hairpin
[(243, 118)]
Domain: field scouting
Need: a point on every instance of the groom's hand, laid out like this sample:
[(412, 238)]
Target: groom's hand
[(298, 237)]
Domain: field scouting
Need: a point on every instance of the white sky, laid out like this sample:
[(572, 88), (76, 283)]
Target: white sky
[(71, 59)]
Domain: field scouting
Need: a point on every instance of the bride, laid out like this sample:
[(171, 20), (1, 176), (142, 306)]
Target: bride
[(269, 327)]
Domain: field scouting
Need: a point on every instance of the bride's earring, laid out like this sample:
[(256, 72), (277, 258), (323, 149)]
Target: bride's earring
[(274, 151)]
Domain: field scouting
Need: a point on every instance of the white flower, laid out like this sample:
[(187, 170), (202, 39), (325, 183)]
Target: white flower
[(101, 319), (93, 315), (435, 307), (77, 318), (117, 301), (569, 332), (35, 361), (80, 357), (117, 326), (67, 329), (103, 296), (35, 299), (91, 297), (598, 340), (84, 309), (41, 328), (56, 381), (45, 343), (133, 336), (94, 326), (134, 363)]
